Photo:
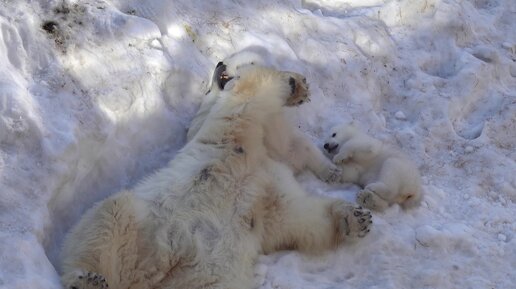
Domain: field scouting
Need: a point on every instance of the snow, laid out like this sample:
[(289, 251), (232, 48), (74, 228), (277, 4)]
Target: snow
[(105, 95)]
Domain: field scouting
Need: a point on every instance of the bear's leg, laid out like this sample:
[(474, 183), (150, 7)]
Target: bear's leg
[(296, 220), (373, 196), (314, 224), (102, 248), (386, 190), (304, 151), (350, 173), (355, 151)]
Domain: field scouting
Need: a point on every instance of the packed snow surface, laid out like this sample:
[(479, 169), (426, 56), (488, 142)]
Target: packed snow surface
[(96, 94)]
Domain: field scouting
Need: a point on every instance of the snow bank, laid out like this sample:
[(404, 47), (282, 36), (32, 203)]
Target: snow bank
[(96, 94)]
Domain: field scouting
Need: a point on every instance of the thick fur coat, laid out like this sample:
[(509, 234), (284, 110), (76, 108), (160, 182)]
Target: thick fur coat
[(202, 221), (283, 141), (386, 174)]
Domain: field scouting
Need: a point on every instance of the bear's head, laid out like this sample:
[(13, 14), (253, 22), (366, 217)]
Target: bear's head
[(227, 69), (339, 135)]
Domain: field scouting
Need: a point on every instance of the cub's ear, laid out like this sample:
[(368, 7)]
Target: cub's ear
[(220, 76)]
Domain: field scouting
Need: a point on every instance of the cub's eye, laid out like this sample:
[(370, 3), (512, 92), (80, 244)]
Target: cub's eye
[(334, 135)]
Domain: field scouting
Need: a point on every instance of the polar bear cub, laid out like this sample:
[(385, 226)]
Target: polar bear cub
[(386, 174), (203, 220)]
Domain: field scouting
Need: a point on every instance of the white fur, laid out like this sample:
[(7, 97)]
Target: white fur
[(202, 221), (386, 174), (284, 141), (253, 56)]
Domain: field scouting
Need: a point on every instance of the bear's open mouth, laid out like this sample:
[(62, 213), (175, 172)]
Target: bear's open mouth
[(221, 75)]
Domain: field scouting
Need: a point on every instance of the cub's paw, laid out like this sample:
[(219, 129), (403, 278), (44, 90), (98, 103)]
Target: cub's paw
[(350, 221), (299, 93), (342, 157), (330, 174), (371, 200), (87, 280)]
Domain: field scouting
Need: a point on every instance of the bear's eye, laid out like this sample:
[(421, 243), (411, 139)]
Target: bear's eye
[(334, 135)]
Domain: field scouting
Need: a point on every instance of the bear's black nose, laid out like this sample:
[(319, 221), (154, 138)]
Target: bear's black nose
[(331, 147)]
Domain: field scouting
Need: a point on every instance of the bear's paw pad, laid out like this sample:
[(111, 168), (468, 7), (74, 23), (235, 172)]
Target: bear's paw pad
[(352, 221), (89, 280), (367, 198), (330, 174)]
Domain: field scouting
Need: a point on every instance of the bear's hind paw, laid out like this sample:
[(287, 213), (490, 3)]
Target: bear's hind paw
[(88, 280), (351, 221)]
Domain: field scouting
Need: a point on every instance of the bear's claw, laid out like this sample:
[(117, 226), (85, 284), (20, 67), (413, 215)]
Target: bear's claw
[(89, 280), (351, 221)]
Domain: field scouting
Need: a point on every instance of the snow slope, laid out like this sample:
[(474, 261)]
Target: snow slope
[(95, 94)]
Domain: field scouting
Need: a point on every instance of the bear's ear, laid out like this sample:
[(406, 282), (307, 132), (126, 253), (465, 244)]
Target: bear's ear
[(220, 76)]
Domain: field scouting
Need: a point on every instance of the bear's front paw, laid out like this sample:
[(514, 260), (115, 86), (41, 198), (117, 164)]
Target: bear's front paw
[(330, 174), (342, 157), (88, 280), (371, 200), (350, 221), (298, 89)]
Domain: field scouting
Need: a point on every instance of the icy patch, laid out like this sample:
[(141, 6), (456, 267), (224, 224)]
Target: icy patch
[(400, 115)]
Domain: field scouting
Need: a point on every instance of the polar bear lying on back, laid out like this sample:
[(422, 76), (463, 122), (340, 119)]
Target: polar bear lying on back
[(202, 221), (284, 142), (386, 174)]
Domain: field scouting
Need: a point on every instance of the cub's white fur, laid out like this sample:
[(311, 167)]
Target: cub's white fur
[(386, 174), (284, 141), (202, 221)]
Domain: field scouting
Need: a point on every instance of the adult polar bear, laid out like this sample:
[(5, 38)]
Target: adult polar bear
[(284, 142), (201, 221)]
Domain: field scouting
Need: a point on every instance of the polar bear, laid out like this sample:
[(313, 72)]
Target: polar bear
[(386, 174), (284, 141), (202, 221)]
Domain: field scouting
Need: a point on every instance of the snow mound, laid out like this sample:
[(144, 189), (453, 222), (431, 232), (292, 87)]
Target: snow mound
[(96, 94)]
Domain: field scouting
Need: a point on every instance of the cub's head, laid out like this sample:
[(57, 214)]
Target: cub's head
[(339, 135)]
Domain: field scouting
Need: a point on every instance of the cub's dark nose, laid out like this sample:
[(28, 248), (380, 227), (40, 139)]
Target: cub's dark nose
[(330, 147)]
